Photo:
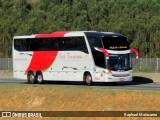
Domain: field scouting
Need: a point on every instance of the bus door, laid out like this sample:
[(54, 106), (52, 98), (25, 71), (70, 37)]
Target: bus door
[(98, 57), (99, 60)]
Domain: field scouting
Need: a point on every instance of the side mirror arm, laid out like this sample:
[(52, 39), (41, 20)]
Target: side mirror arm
[(135, 51)]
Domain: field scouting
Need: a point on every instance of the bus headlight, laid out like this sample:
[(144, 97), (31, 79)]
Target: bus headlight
[(109, 72)]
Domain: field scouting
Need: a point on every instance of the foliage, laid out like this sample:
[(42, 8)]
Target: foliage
[(139, 20)]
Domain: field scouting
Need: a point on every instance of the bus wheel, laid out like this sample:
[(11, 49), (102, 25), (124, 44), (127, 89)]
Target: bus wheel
[(88, 79), (39, 78), (31, 78)]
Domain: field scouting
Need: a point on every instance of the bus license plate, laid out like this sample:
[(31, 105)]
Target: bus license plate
[(121, 79)]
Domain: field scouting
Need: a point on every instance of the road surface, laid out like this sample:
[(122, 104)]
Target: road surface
[(119, 86)]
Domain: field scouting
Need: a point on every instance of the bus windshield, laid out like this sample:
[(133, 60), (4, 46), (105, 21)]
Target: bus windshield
[(119, 62), (115, 43)]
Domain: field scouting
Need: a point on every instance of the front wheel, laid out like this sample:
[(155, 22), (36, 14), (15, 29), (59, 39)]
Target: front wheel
[(31, 78), (88, 79)]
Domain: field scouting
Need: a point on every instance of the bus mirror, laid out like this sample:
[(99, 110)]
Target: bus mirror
[(135, 51), (104, 51)]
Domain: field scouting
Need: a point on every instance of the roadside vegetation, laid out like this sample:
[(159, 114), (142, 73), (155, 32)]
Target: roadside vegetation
[(62, 98), (137, 19)]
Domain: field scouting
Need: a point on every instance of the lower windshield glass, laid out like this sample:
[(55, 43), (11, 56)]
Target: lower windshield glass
[(120, 62)]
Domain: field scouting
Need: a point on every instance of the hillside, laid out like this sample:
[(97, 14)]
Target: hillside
[(139, 20)]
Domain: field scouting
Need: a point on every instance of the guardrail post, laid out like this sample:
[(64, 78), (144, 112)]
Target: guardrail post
[(157, 65), (140, 64), (8, 64)]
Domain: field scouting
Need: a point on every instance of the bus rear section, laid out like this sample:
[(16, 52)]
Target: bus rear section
[(59, 56)]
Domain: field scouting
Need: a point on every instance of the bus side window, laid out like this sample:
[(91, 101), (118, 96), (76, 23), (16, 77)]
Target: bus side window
[(81, 44), (95, 41), (17, 44), (56, 45), (73, 44), (20, 44), (34, 45)]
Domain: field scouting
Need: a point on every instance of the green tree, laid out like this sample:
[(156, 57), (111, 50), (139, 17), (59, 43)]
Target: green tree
[(137, 19)]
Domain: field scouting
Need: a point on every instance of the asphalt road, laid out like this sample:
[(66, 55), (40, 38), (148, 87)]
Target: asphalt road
[(118, 86)]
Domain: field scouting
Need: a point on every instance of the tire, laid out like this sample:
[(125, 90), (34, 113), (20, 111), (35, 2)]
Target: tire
[(31, 78), (39, 78), (88, 79)]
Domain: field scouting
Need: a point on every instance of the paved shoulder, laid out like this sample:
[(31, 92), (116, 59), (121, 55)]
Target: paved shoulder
[(12, 81), (118, 86)]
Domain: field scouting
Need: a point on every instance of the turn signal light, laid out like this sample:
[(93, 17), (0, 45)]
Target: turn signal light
[(109, 72)]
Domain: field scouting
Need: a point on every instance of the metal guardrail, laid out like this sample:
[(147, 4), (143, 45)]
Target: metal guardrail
[(6, 64), (146, 65), (139, 65)]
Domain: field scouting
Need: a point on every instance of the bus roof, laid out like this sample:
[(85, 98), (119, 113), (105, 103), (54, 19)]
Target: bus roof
[(69, 33), (104, 34)]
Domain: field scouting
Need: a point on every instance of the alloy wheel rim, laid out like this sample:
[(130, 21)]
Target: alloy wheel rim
[(39, 78)]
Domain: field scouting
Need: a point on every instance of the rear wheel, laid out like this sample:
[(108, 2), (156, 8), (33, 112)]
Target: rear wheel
[(31, 78), (39, 78), (88, 79)]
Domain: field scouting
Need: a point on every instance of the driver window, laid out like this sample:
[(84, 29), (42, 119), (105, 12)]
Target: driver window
[(98, 56), (95, 41)]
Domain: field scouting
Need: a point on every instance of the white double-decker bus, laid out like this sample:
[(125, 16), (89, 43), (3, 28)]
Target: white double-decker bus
[(87, 56)]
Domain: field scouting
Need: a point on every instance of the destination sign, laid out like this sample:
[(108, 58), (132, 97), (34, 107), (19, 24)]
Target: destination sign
[(117, 47)]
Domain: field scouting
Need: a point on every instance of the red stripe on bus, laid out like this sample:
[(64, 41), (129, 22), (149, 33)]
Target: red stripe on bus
[(55, 34), (105, 52), (41, 60)]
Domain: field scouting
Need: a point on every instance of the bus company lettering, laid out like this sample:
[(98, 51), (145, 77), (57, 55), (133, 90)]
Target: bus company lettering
[(118, 47), (70, 56), (20, 59), (96, 78)]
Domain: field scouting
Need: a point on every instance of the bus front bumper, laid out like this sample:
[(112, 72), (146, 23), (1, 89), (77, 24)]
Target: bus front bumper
[(118, 79)]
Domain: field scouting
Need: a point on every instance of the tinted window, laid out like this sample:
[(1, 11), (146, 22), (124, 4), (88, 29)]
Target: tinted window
[(99, 59), (119, 62), (22, 44), (94, 41), (31, 44), (74, 43), (50, 44)]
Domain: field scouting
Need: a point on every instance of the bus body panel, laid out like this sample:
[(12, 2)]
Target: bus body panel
[(119, 76), (65, 65), (21, 63), (69, 65)]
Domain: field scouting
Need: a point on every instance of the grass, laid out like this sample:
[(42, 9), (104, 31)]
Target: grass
[(6, 74), (60, 98)]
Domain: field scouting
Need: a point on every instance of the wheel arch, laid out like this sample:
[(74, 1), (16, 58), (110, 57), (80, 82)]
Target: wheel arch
[(85, 80), (86, 73), (30, 71), (89, 73), (38, 71)]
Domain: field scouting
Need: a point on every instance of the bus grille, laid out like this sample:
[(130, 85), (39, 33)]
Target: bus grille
[(120, 75)]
